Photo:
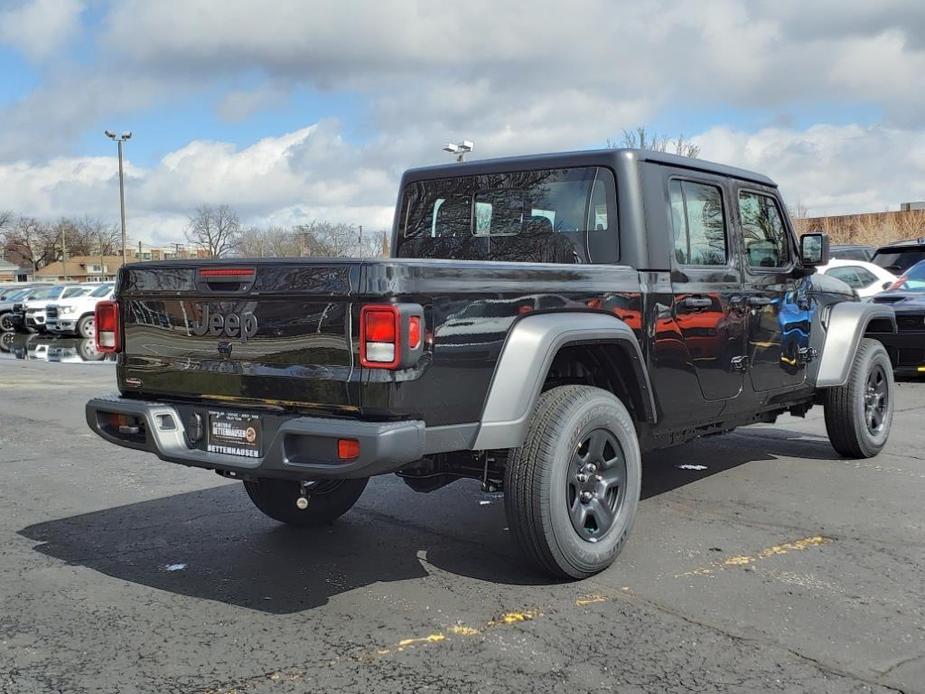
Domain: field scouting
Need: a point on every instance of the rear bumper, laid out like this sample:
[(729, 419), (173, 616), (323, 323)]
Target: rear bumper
[(294, 447)]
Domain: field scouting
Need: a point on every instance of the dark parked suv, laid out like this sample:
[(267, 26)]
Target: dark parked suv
[(541, 322)]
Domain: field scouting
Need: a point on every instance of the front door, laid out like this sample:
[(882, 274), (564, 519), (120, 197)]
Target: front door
[(706, 281), (779, 311)]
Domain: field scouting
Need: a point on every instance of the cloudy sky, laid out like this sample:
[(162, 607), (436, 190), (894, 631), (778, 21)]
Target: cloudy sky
[(295, 110)]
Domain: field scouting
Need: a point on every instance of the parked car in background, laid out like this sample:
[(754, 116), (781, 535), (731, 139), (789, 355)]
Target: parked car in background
[(866, 279), (907, 297), (74, 316), (899, 256), (852, 251), (9, 319), (33, 308)]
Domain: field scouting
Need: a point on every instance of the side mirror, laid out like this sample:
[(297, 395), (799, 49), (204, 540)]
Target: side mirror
[(887, 285), (814, 249)]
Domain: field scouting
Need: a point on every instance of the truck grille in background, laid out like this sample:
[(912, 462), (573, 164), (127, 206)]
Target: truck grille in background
[(51, 312), (908, 324)]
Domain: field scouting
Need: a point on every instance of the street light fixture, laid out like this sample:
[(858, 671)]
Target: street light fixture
[(460, 149), (119, 139)]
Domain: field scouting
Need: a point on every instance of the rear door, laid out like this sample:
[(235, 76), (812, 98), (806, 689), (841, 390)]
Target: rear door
[(706, 282), (778, 308)]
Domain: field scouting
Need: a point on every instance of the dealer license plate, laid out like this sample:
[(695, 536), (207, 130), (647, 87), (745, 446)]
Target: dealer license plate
[(234, 433)]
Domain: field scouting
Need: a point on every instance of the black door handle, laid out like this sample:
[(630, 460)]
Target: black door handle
[(697, 302), (760, 301)]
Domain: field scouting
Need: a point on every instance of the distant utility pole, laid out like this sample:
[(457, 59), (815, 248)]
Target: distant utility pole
[(64, 251), (102, 258), (460, 149), (119, 139)]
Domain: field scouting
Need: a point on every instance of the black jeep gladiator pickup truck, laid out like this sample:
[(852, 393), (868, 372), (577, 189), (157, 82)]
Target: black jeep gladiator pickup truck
[(541, 321)]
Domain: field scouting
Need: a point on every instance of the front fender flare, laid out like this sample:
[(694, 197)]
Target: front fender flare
[(525, 360), (847, 323)]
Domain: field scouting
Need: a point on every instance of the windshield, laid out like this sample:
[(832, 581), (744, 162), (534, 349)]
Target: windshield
[(899, 260), (46, 293), (913, 280), (14, 295), (101, 291), (546, 216)]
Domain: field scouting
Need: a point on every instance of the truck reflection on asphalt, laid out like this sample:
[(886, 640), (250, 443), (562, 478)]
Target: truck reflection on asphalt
[(61, 350)]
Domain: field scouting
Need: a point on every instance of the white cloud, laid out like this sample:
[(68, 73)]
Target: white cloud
[(293, 178), (514, 77), (830, 169), (313, 173), (39, 28)]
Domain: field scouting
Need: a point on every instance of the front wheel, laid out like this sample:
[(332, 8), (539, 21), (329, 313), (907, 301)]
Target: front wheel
[(85, 327), (327, 500), (6, 323), (859, 414), (572, 489)]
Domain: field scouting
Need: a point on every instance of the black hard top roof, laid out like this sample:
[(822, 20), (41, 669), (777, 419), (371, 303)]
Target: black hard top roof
[(907, 243), (600, 157)]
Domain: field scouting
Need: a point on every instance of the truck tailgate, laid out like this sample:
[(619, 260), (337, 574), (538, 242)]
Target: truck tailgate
[(276, 333)]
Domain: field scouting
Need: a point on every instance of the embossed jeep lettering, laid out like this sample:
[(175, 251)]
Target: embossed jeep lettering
[(242, 325)]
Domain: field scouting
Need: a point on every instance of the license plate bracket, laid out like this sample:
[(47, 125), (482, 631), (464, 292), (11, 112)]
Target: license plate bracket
[(234, 433)]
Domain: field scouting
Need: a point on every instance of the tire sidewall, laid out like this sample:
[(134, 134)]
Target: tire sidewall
[(80, 326), (868, 360), (602, 411)]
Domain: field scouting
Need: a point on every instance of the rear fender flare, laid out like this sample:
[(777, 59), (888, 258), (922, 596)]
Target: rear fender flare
[(525, 359), (846, 325)]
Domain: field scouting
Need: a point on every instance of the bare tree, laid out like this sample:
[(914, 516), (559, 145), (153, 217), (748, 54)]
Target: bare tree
[(337, 240), (29, 241), (272, 242), (214, 229), (640, 138)]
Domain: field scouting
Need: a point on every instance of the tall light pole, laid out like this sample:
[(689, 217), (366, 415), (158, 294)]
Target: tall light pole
[(119, 139)]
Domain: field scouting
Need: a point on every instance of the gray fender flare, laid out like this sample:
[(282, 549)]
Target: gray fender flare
[(525, 360), (846, 325)]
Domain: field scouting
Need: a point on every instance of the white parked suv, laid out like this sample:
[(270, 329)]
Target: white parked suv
[(35, 304), (74, 315)]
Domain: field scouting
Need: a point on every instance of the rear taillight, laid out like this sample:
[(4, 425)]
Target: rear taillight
[(379, 336), (391, 335), (106, 326)]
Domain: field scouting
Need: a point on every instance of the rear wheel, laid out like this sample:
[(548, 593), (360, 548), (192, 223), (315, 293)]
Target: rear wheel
[(327, 500), (6, 323), (859, 414), (85, 327), (572, 489)]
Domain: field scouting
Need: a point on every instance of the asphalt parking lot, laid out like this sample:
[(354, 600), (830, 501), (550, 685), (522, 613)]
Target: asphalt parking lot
[(767, 564)]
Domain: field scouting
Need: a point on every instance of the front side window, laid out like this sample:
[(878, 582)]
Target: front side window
[(548, 215), (72, 292), (766, 242), (698, 223)]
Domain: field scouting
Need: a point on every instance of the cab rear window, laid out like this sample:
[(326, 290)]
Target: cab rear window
[(547, 215)]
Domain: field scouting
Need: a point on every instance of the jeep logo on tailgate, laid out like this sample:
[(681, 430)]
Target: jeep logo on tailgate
[(242, 325)]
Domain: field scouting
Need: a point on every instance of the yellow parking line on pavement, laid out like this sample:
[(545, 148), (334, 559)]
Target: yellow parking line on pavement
[(767, 553)]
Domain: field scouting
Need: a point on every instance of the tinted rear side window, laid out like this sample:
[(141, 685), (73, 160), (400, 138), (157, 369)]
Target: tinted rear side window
[(698, 222), (549, 215)]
